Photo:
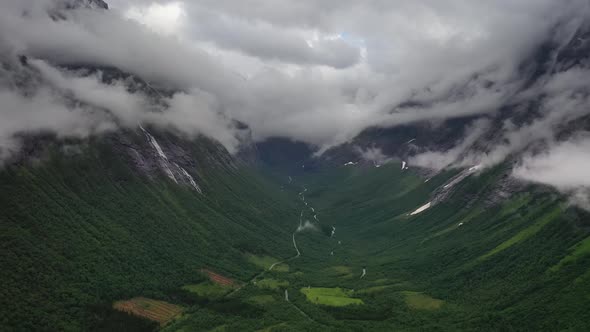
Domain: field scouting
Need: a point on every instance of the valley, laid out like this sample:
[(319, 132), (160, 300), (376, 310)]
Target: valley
[(179, 166), (337, 249)]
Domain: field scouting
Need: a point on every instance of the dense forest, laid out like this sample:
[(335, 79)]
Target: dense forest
[(81, 232)]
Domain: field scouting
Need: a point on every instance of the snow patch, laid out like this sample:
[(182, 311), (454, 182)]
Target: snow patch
[(364, 273), (333, 231), (350, 163), (462, 176), (403, 165), (421, 209)]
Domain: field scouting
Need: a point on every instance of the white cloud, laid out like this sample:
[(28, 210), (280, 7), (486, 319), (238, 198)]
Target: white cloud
[(114, 97), (564, 166), (168, 19), (442, 159), (314, 71), (374, 155)]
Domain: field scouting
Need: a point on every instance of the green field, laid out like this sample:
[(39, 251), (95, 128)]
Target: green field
[(266, 262), (335, 297), (270, 283), (422, 301)]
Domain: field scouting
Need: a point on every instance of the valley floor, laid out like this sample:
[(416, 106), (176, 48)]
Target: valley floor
[(364, 261)]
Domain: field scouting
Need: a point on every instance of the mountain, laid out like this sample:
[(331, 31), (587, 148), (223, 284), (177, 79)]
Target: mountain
[(142, 227), (564, 52)]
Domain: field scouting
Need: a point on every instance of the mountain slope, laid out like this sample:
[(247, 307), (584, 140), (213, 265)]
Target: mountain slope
[(494, 265), (86, 228), (124, 223)]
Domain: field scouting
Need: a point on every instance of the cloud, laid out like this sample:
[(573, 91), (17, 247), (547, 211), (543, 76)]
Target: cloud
[(78, 104), (307, 226), (195, 114), (563, 166), (265, 41), (317, 72), (439, 160), (423, 51), (374, 155), (191, 113), (167, 19), (113, 97), (43, 112), (562, 99)]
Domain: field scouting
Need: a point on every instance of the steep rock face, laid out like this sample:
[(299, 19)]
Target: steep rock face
[(403, 141), (152, 157), (60, 7), (152, 151), (567, 49), (69, 4)]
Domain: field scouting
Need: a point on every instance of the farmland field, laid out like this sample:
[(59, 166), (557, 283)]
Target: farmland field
[(219, 279), (335, 297), (272, 283), (263, 262), (158, 311), (416, 300)]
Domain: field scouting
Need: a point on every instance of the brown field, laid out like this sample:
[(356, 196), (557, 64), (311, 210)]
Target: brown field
[(158, 311), (219, 279)]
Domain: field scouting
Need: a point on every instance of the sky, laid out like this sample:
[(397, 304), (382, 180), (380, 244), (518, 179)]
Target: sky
[(319, 72)]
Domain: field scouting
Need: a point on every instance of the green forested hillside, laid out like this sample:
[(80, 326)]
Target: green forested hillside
[(79, 232), (495, 266)]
